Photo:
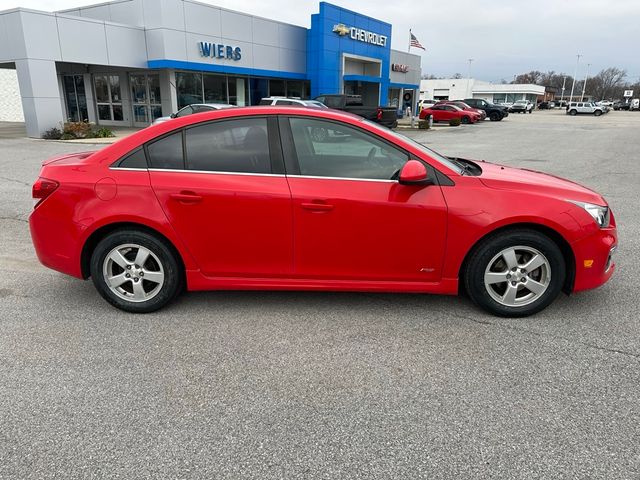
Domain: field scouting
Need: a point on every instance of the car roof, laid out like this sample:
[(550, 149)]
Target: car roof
[(213, 105)]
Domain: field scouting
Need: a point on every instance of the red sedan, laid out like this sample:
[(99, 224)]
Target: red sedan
[(464, 106), (249, 198), (444, 113)]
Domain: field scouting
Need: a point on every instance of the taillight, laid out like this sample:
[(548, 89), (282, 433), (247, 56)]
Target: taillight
[(42, 188), (379, 114)]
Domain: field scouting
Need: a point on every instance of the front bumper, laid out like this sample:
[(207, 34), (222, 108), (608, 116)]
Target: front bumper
[(595, 259)]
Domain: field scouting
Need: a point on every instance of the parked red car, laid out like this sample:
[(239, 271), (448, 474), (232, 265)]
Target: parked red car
[(444, 113), (464, 106), (250, 198)]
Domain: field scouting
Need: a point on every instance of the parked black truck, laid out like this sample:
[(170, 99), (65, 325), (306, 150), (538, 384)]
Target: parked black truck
[(494, 112), (386, 116)]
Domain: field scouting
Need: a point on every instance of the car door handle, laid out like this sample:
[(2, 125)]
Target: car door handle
[(317, 206), (186, 197)]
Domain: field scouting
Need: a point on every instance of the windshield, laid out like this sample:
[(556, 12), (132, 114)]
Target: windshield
[(430, 153), (521, 101)]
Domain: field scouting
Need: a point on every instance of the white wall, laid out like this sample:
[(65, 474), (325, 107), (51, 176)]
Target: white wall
[(10, 104)]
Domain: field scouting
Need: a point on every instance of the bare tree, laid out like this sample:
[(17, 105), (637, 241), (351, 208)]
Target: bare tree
[(607, 83), (457, 75)]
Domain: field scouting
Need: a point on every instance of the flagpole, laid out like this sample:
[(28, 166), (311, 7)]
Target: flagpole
[(409, 49)]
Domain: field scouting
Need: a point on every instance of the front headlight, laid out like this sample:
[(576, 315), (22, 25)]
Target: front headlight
[(599, 213)]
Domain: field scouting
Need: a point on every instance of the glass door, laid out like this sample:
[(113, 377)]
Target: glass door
[(145, 98), (75, 98), (108, 98)]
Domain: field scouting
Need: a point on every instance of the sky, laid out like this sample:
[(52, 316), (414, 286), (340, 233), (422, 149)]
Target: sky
[(503, 37)]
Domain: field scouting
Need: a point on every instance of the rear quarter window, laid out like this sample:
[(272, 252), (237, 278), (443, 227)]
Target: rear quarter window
[(135, 159), (167, 153)]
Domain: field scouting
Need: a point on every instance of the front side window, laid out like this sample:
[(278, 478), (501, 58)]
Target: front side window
[(327, 149), (240, 146)]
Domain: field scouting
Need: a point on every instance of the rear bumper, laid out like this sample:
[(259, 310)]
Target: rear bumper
[(595, 259), (56, 240)]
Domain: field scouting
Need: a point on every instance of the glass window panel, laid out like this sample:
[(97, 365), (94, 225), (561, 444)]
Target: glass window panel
[(140, 114), (294, 88), (138, 89), (104, 112), (117, 112), (229, 146), (215, 89), (154, 89), (70, 96), (82, 99), (277, 88), (166, 152), (114, 81), (156, 112), (135, 159), (183, 112), (327, 149), (189, 88), (102, 89)]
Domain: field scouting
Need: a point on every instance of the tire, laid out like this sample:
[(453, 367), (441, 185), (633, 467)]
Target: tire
[(465, 120), (144, 282), (573, 112), (597, 113), (495, 117), (489, 281)]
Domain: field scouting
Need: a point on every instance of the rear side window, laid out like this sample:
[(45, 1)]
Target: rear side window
[(167, 152), (285, 102), (135, 159), (265, 101), (240, 146)]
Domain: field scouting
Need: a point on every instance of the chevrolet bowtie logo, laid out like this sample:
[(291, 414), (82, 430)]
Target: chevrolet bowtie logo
[(341, 29)]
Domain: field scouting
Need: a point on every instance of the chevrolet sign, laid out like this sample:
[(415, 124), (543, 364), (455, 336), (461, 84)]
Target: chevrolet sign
[(360, 35)]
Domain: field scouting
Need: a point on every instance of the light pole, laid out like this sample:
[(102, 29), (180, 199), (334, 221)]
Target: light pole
[(469, 78), (584, 85), (574, 77), (564, 80)]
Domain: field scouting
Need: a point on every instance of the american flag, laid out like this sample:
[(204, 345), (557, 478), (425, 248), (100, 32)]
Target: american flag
[(415, 42)]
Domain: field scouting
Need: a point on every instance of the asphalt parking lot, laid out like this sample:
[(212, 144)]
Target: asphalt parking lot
[(326, 385)]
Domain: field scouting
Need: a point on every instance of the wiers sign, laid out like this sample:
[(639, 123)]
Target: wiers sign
[(399, 67), (360, 35), (218, 50)]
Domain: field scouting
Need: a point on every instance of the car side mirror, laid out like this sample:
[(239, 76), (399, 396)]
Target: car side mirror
[(414, 172)]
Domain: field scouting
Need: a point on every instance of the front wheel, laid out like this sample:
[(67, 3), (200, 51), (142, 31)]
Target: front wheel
[(597, 113), (135, 271), (465, 120), (495, 117), (573, 112), (515, 274)]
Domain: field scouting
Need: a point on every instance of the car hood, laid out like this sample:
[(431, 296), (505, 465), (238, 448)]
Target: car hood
[(503, 177)]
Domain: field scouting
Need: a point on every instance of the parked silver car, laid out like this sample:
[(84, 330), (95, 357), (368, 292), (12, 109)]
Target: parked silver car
[(193, 108), (289, 101)]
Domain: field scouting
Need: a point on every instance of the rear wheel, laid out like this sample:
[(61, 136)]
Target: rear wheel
[(573, 112), (516, 274), (135, 271)]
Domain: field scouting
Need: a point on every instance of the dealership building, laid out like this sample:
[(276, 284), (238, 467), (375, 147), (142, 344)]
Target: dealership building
[(460, 88), (127, 62)]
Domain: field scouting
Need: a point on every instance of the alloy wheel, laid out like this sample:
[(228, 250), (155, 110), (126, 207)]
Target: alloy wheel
[(133, 272), (517, 276)]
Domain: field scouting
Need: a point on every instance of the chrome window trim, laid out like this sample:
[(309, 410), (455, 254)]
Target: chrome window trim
[(210, 172)]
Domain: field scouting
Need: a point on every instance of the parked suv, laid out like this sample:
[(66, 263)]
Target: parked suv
[(494, 112), (575, 108), (521, 106)]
